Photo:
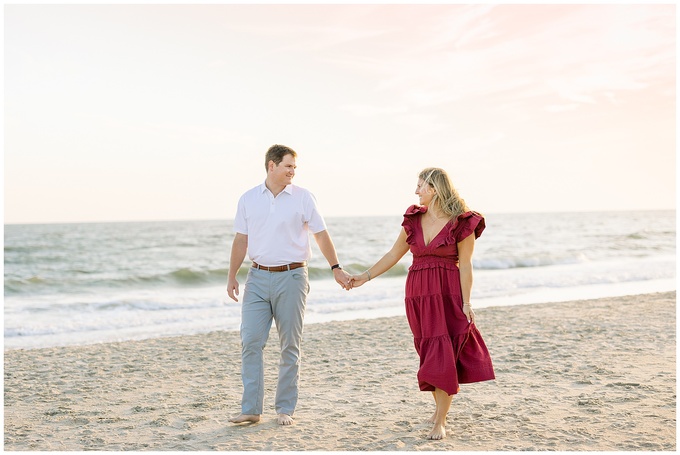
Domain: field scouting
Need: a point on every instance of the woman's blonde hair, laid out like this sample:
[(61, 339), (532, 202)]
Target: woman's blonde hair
[(446, 198)]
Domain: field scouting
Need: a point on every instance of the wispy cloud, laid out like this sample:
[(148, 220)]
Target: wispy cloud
[(561, 107), (365, 110), (568, 54), (295, 32)]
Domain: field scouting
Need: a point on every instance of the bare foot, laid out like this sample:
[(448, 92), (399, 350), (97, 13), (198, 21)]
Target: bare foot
[(285, 419), (432, 419), (245, 418), (438, 432)]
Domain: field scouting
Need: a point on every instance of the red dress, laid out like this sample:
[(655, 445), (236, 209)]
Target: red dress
[(451, 350)]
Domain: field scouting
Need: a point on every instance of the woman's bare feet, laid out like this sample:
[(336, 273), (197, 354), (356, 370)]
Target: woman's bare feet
[(443, 401), (438, 432), (285, 419), (245, 418), (433, 419)]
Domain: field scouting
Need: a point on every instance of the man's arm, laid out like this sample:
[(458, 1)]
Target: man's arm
[(238, 254), (323, 239)]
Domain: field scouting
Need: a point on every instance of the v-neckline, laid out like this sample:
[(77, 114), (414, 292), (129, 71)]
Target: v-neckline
[(422, 231)]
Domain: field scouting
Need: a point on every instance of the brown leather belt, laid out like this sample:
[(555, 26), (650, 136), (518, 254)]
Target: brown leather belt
[(280, 268)]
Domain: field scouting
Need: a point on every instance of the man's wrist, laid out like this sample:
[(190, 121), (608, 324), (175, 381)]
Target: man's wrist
[(336, 266)]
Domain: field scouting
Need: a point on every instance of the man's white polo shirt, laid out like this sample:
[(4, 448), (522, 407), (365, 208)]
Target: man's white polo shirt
[(278, 227)]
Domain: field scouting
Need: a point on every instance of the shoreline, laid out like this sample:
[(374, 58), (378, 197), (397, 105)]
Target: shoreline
[(581, 375), (315, 315)]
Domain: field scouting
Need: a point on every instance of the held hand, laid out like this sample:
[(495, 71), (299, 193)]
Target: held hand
[(469, 314), (342, 278), (232, 289), (358, 280)]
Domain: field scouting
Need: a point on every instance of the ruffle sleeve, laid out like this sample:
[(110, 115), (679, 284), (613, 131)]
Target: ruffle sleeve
[(409, 218), (466, 224)]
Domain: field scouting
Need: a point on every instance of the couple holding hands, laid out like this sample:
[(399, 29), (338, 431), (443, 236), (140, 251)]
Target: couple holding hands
[(272, 226)]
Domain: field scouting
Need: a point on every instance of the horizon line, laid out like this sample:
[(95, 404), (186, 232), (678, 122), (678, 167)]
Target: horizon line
[(176, 220)]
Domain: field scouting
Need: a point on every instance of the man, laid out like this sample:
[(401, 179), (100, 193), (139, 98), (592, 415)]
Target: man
[(272, 224)]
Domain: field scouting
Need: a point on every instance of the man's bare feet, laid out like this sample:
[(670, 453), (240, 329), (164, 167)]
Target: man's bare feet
[(438, 432), (245, 418), (285, 419)]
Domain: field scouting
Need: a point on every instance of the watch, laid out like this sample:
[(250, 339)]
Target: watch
[(336, 266)]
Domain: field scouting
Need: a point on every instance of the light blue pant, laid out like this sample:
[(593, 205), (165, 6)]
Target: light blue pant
[(280, 296)]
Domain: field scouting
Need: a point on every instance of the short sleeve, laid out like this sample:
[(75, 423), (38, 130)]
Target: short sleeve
[(468, 223), (409, 218), (313, 217), (240, 224)]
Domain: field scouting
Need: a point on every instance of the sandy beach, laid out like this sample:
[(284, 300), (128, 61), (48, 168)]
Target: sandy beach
[(574, 376)]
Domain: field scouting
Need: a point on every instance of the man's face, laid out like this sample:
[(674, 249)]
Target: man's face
[(283, 173)]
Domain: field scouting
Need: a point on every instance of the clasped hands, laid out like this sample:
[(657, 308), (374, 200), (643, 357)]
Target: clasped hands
[(347, 281)]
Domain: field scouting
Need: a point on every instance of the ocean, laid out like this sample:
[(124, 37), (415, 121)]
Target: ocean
[(71, 284)]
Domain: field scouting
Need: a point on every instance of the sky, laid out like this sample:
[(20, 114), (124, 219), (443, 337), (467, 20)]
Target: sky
[(164, 112)]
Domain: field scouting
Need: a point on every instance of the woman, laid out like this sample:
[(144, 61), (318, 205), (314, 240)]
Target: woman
[(441, 233)]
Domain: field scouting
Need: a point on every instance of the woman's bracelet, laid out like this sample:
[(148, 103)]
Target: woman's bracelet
[(369, 275), (468, 304)]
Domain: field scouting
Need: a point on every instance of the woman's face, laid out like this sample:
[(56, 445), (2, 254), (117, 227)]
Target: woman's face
[(425, 193)]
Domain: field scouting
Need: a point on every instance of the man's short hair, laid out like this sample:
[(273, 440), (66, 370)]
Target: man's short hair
[(276, 153)]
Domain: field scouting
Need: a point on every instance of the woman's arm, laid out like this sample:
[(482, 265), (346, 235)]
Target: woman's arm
[(385, 263), (465, 250)]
